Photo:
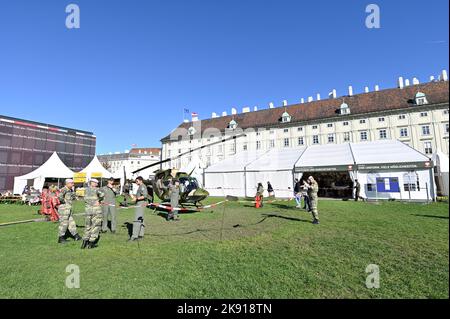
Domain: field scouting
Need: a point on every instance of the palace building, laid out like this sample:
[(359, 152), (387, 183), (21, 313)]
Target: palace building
[(413, 113)]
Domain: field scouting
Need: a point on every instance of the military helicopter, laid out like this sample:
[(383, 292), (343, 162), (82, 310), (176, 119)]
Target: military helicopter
[(191, 193)]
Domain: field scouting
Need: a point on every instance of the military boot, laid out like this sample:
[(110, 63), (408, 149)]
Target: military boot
[(315, 221), (62, 240), (84, 244), (77, 237)]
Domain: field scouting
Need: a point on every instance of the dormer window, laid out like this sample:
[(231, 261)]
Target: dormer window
[(192, 131), (344, 109), (421, 98), (232, 125), (285, 118)]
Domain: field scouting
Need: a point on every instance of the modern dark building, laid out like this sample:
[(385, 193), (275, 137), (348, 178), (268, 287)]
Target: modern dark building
[(26, 145)]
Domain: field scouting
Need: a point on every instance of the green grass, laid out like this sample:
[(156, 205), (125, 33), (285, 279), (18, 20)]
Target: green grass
[(282, 256)]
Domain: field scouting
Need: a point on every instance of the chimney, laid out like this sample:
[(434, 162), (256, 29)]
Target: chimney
[(310, 99), (285, 102), (350, 90), (185, 121), (214, 115), (377, 88), (245, 110), (332, 94), (366, 89), (318, 97), (406, 82), (432, 79), (255, 108), (444, 75), (233, 111), (224, 113), (401, 85), (271, 106), (302, 100), (415, 81)]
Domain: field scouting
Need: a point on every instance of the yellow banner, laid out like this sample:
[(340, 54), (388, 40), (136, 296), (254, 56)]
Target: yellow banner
[(79, 178), (96, 175)]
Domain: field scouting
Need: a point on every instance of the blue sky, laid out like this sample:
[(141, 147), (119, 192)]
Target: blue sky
[(133, 66)]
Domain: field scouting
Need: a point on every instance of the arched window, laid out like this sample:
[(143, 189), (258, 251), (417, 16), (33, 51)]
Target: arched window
[(285, 117), (344, 109), (421, 98)]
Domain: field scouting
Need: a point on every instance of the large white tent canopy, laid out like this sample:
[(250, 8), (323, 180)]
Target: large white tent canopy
[(52, 168), (372, 163)]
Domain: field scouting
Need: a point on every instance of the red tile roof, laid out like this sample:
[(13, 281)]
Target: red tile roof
[(385, 100), (149, 150)]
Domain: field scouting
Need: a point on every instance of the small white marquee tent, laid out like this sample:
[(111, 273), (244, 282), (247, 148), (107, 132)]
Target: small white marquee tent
[(96, 168), (52, 168)]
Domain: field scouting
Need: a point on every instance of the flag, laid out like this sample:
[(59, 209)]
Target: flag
[(194, 114), (186, 111), (133, 145)]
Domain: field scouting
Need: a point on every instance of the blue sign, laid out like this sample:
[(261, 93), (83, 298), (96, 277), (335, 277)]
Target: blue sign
[(388, 185)]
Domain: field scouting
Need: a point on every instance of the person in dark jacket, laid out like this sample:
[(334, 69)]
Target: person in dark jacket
[(298, 193), (270, 189)]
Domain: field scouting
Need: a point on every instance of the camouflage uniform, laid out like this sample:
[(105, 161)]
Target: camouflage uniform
[(94, 213), (313, 189), (109, 209), (138, 223), (66, 197), (174, 201)]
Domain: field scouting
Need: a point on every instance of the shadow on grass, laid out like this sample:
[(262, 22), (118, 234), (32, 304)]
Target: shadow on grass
[(431, 216), (287, 218)]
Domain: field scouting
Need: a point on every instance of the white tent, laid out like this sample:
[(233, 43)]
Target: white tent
[(393, 170), (52, 168), (97, 169), (228, 176), (275, 166), (441, 163), (385, 169)]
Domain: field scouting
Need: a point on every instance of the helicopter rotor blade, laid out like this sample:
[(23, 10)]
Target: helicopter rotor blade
[(187, 153)]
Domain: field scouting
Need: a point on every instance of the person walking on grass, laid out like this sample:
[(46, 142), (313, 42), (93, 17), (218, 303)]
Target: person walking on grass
[(313, 189), (298, 193), (66, 222)]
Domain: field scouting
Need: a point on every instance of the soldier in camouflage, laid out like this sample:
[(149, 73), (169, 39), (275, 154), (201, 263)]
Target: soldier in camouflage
[(66, 222), (93, 198), (313, 188), (141, 198)]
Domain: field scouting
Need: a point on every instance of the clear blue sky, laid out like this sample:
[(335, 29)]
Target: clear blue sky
[(133, 66)]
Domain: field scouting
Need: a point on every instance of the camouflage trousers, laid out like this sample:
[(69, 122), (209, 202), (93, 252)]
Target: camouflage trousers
[(138, 223), (93, 223), (66, 221), (313, 204)]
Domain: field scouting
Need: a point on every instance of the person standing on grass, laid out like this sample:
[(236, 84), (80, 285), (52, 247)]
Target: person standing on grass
[(109, 207), (54, 203), (66, 222), (357, 191), (174, 200), (94, 215), (298, 193), (270, 189), (260, 193), (313, 189), (141, 202)]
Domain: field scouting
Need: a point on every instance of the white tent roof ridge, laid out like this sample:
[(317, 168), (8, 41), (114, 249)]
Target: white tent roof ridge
[(54, 166), (96, 167)]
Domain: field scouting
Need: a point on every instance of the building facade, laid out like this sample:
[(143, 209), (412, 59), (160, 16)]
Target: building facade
[(132, 160), (26, 145), (414, 114)]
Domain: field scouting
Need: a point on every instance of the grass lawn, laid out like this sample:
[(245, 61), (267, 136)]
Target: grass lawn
[(273, 252)]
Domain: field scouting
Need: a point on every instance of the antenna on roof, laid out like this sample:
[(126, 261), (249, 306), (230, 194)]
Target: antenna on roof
[(318, 97), (271, 106)]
